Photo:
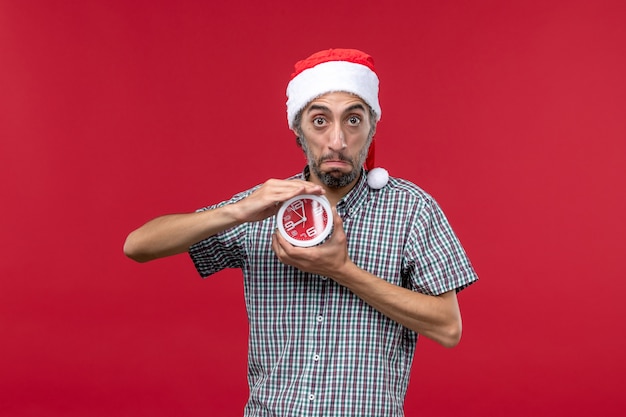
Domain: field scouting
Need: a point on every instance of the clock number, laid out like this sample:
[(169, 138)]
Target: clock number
[(289, 225), (318, 210), (296, 206), (311, 231)]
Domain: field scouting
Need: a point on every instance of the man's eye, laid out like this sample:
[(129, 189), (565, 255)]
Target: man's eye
[(354, 120), (319, 121)]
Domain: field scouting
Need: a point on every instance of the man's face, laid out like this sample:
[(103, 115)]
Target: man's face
[(335, 136)]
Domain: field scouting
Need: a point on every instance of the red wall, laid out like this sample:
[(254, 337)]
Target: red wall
[(512, 114)]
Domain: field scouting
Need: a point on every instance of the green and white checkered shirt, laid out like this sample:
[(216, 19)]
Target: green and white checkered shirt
[(316, 349)]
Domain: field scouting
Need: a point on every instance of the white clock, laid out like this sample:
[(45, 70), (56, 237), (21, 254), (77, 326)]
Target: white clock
[(305, 220)]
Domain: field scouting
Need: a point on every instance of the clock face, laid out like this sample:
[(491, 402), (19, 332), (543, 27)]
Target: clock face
[(305, 220)]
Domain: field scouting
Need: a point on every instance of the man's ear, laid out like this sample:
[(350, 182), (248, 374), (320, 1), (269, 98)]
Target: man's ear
[(298, 141)]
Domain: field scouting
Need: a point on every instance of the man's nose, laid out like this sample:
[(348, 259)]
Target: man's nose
[(338, 138)]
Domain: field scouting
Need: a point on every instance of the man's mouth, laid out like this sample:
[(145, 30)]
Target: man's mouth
[(338, 160)]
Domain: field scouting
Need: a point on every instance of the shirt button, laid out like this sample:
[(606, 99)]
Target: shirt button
[(311, 397), (316, 358), (320, 319)]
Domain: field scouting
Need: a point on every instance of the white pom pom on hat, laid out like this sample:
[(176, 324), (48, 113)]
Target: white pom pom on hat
[(332, 70), (377, 178)]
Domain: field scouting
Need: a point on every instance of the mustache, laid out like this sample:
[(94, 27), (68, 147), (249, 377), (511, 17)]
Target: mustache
[(335, 157)]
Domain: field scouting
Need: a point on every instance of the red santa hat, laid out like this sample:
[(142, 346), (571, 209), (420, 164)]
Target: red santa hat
[(332, 70)]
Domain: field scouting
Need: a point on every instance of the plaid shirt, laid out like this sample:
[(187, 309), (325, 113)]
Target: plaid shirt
[(316, 349)]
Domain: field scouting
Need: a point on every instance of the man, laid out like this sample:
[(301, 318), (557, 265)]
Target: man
[(333, 327)]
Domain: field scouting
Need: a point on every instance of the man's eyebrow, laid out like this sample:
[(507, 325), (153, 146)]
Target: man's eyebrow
[(357, 106), (314, 107)]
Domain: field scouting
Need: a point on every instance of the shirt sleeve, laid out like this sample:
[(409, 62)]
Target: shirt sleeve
[(223, 250), (435, 261)]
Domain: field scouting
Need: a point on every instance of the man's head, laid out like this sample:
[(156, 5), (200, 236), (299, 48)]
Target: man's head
[(333, 109)]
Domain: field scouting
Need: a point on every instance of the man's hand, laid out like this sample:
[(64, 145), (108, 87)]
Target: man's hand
[(328, 259), (266, 200)]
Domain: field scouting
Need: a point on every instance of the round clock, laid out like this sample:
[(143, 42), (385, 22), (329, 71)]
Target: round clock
[(305, 220)]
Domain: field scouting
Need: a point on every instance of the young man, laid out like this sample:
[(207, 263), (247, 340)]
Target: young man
[(333, 327)]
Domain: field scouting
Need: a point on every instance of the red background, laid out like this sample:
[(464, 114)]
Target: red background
[(512, 114)]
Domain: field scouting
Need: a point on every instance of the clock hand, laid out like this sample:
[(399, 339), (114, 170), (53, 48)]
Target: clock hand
[(299, 215)]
